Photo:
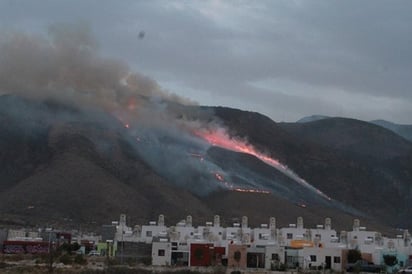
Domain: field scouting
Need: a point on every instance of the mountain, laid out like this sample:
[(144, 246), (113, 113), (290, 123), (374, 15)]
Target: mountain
[(66, 165), (366, 165), (311, 118), (403, 130)]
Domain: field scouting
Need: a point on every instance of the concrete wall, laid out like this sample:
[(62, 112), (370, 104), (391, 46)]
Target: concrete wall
[(161, 253), (335, 256)]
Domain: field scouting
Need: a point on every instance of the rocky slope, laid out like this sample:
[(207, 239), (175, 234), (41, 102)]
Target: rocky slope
[(63, 165)]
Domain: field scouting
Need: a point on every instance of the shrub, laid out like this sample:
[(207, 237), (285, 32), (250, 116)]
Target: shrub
[(353, 256), (390, 260), (79, 259), (65, 259)]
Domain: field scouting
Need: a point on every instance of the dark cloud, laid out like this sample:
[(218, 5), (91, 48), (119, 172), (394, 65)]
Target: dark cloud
[(350, 58)]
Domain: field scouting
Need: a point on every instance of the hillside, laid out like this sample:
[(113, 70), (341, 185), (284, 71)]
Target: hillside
[(69, 166), (403, 130), (354, 162)]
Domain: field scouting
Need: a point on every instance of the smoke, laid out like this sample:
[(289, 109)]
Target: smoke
[(66, 65)]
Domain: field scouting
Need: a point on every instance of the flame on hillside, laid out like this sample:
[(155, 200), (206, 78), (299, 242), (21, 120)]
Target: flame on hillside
[(221, 139)]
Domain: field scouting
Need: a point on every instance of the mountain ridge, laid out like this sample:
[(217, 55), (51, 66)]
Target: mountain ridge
[(80, 165)]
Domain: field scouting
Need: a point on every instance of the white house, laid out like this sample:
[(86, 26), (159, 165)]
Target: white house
[(293, 232), (322, 257), (161, 253), (274, 256), (324, 235)]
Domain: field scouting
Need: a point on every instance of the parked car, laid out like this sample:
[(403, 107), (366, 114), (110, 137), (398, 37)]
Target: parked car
[(363, 266), (94, 253), (405, 270)]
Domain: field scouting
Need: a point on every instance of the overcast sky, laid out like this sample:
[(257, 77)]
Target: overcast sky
[(286, 59)]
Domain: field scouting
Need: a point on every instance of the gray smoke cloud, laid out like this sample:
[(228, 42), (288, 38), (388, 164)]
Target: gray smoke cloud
[(66, 65)]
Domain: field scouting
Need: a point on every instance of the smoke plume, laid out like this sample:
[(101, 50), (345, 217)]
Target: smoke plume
[(66, 65)]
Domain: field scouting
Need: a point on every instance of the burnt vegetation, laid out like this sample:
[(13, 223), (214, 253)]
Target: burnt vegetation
[(66, 165)]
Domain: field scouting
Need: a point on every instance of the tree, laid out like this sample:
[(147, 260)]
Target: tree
[(353, 256), (390, 260)]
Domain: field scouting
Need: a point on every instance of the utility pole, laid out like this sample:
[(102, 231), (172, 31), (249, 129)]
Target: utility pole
[(121, 258), (50, 251)]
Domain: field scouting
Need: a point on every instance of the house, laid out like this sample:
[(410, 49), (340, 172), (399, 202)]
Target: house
[(162, 253), (324, 235), (322, 258), (274, 257), (237, 255), (239, 233), (201, 254), (293, 232), (148, 232), (255, 257), (180, 254)]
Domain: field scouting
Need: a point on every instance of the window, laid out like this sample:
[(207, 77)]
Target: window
[(149, 233), (336, 260), (289, 236), (275, 257), (161, 252), (313, 258)]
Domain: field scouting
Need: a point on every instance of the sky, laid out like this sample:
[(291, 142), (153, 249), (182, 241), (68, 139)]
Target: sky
[(283, 58)]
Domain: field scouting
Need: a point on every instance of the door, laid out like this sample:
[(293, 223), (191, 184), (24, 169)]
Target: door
[(328, 262)]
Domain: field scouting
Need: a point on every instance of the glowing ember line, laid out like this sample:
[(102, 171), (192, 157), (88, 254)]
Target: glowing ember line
[(251, 190), (222, 180), (221, 139)]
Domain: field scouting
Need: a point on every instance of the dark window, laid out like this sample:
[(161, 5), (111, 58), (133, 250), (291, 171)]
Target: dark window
[(289, 235), (313, 258), (275, 257), (148, 233), (336, 260), (161, 252)]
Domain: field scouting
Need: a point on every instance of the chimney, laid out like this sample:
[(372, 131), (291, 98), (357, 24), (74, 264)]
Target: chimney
[(122, 221), (216, 221), (328, 223), (356, 224), (300, 223), (161, 220), (189, 220), (244, 222), (272, 223)]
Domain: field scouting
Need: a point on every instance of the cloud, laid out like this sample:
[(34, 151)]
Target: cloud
[(211, 48), (66, 65)]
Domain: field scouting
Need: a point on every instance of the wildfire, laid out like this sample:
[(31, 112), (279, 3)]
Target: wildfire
[(221, 139), (251, 190), (230, 186)]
